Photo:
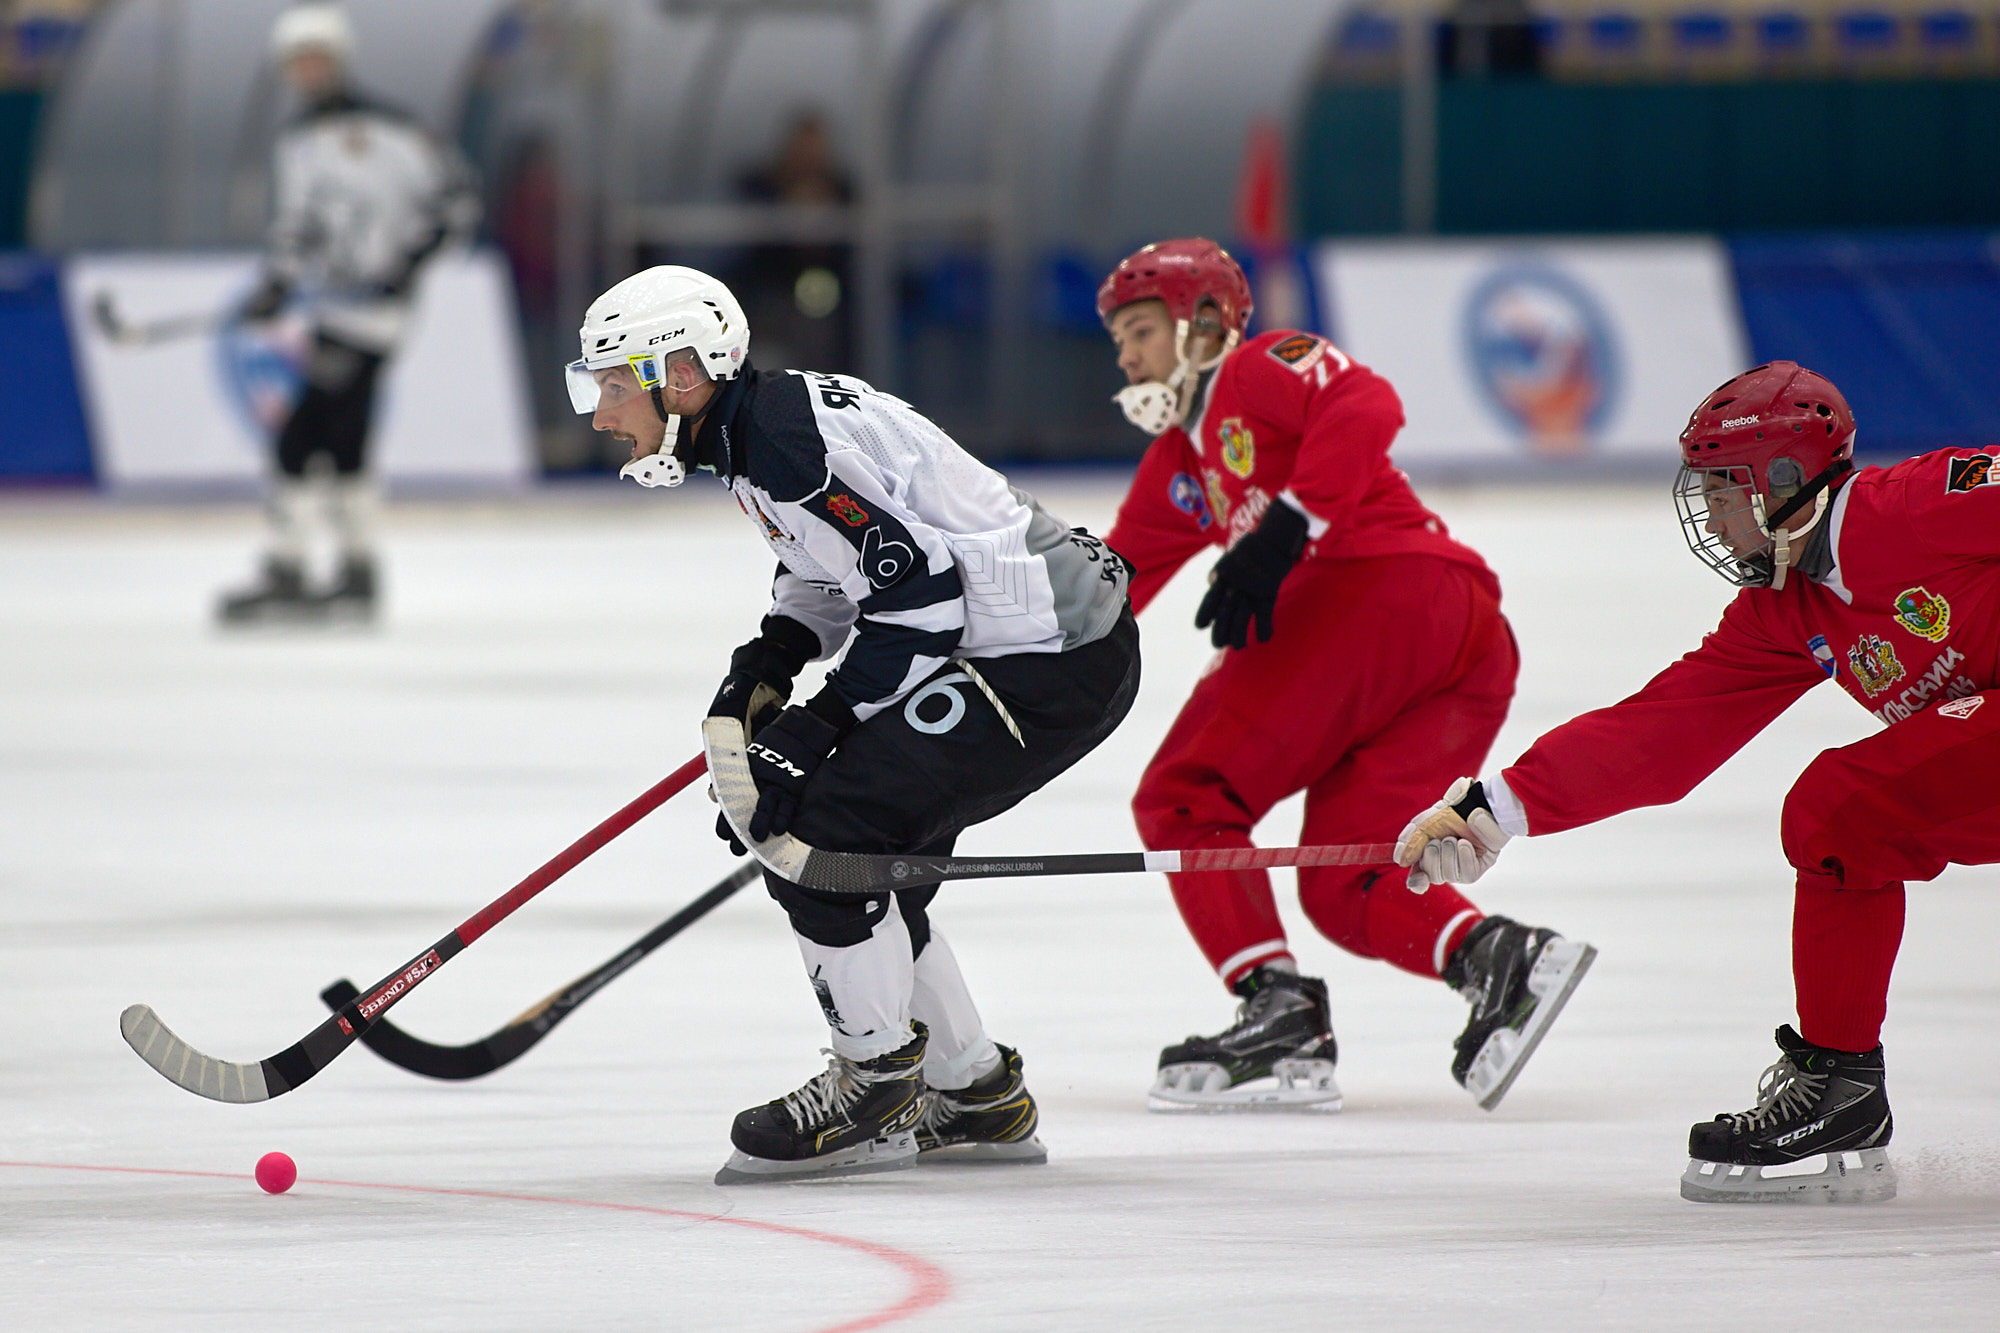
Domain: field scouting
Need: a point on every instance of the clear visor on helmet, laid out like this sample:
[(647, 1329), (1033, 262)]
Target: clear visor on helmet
[(594, 386), (1722, 517)]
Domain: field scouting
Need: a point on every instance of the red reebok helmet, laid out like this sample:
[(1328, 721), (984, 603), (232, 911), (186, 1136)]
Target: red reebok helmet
[(1755, 453), (1777, 411), (1182, 273)]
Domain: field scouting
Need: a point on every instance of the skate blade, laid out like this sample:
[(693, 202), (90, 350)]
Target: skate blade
[(1862, 1176), (1294, 1085), (893, 1152), (1558, 969), (1022, 1152)]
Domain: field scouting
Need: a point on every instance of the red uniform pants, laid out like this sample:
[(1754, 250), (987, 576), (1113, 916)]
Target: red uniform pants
[(1861, 820), (1385, 680)]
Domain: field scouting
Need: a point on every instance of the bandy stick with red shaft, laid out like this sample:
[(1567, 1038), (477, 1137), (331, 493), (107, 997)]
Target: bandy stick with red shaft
[(226, 1081)]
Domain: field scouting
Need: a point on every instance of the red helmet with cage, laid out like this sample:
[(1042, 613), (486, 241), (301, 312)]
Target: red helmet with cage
[(1183, 274), (1764, 445)]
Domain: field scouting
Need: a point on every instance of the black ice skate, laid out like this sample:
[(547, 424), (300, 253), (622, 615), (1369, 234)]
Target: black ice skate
[(279, 597), (993, 1120), (857, 1117), (1278, 1056), (351, 596), (1518, 979), (1816, 1135)]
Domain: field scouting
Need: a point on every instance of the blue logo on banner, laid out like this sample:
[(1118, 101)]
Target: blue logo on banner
[(1541, 352)]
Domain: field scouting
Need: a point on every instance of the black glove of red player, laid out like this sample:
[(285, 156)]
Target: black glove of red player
[(759, 683), (1243, 586), (784, 757)]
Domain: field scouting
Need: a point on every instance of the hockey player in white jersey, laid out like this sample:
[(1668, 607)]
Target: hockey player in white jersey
[(362, 197), (988, 646)]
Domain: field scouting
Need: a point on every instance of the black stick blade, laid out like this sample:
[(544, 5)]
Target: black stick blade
[(414, 1053)]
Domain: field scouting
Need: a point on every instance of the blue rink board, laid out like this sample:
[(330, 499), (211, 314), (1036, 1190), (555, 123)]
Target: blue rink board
[(42, 432)]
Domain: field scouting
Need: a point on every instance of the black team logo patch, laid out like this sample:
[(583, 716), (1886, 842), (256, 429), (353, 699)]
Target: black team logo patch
[(1963, 474), (1298, 351)]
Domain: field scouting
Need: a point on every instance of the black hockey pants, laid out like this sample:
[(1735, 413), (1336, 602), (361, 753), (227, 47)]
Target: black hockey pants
[(913, 777), (331, 416)]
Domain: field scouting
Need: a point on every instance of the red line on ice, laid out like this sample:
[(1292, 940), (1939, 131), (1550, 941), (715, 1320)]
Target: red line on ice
[(929, 1284)]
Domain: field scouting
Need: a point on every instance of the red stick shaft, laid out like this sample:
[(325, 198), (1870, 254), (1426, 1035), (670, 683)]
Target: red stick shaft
[(574, 855)]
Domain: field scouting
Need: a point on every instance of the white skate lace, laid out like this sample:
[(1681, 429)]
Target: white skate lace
[(1784, 1089), (833, 1089)]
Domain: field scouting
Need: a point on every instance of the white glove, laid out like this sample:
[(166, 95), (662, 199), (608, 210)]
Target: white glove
[(1454, 842)]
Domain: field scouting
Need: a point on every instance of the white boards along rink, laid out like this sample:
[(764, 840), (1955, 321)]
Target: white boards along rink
[(1537, 358), (199, 413)]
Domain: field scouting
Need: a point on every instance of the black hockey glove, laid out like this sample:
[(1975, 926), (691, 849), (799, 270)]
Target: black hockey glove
[(1243, 586), (785, 755), (759, 684), (266, 301)]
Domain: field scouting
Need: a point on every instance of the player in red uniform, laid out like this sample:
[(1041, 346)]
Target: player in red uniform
[(1277, 449), (1887, 581)]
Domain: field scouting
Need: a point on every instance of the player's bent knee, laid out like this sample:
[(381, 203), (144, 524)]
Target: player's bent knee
[(835, 920)]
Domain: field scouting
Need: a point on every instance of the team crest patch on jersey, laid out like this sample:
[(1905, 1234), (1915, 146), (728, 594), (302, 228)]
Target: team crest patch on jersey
[(1299, 351), (1873, 661), (1975, 470), (1924, 613), (842, 507), (1218, 499), (1962, 708), (1185, 492), (1239, 446), (1823, 655)]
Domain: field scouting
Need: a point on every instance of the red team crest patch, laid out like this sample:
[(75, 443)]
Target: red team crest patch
[(1874, 663), (1963, 474), (1962, 708), (848, 512), (1924, 613)]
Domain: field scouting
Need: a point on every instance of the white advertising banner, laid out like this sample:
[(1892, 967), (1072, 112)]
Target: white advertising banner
[(201, 409), (1531, 352)]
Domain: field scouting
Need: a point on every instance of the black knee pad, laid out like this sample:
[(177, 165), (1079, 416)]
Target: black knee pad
[(842, 920)]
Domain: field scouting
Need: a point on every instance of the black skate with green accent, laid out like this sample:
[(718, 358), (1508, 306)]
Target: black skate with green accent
[(856, 1117), (1278, 1055), (1818, 1134), (1518, 979), (993, 1120)]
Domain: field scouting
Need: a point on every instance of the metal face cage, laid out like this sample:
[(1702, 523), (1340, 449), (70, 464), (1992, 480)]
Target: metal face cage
[(1722, 518)]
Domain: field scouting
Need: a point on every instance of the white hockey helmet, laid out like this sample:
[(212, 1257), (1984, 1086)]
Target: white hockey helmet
[(638, 323), (313, 27)]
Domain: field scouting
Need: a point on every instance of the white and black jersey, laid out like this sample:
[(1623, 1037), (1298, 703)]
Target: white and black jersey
[(893, 541), (362, 195)]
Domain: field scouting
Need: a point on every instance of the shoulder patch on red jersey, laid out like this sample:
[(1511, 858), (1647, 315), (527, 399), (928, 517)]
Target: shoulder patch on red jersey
[(1962, 474), (1298, 351)]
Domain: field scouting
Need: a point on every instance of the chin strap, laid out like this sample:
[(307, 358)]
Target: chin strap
[(1784, 545), (1155, 407)]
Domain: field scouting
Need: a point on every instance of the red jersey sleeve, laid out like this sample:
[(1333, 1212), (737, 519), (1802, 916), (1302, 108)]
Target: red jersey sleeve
[(1951, 503), (1154, 534), (1657, 746), (1345, 416)]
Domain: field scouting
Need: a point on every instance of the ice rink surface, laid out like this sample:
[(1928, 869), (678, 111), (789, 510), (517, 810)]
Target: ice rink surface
[(220, 825)]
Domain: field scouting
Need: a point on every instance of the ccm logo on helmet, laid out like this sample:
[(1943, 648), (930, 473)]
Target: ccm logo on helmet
[(1734, 422), (662, 337)]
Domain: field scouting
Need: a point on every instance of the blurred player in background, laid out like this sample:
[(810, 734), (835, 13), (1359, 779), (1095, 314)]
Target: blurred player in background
[(1885, 580), (362, 198), (988, 647), (1378, 664)]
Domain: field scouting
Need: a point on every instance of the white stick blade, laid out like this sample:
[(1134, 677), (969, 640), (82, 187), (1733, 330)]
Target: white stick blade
[(736, 790), (178, 1062)]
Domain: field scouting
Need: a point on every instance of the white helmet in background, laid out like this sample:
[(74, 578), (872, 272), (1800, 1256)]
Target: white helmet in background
[(313, 27), (637, 324)]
